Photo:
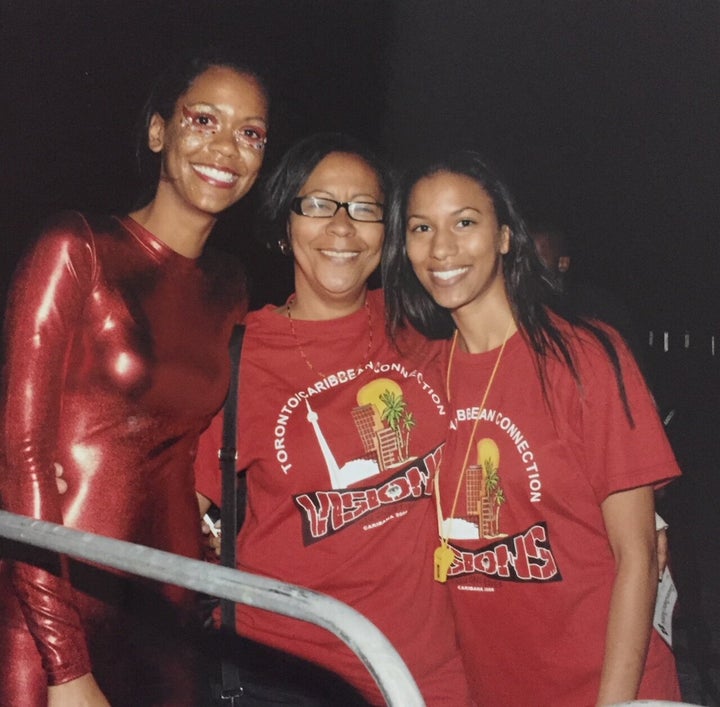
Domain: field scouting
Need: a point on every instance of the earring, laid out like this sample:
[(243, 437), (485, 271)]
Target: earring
[(284, 245)]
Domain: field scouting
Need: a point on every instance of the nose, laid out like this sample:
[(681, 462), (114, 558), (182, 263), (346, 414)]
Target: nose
[(341, 224), (443, 244), (225, 143)]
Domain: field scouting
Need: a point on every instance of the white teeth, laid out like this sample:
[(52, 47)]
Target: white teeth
[(448, 274), (219, 175), (346, 254)]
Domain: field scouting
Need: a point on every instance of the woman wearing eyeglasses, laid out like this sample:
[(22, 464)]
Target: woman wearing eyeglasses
[(116, 360), (339, 434)]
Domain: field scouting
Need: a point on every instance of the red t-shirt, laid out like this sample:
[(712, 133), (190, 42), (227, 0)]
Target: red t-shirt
[(533, 568), (340, 459)]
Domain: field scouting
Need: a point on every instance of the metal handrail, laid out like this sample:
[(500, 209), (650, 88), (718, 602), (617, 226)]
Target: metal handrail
[(358, 633)]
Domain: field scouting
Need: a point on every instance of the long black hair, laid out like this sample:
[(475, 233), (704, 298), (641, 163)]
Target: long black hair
[(532, 291)]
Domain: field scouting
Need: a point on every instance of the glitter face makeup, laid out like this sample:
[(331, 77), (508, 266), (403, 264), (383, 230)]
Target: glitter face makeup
[(206, 121), (212, 145)]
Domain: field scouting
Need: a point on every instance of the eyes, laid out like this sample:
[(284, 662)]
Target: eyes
[(252, 135), (417, 226), (206, 123), (322, 207), (199, 121)]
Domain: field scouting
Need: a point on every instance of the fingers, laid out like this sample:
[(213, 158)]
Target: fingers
[(62, 486), (662, 543), (213, 531), (662, 550), (208, 526)]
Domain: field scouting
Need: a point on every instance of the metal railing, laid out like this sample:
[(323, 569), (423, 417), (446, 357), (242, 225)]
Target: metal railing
[(358, 633), (703, 343)]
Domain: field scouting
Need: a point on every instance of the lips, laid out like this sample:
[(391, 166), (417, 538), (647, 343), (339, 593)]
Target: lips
[(448, 275), (340, 254), (216, 176)]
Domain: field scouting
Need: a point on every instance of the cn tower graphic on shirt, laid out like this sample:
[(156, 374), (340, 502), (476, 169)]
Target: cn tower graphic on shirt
[(384, 424)]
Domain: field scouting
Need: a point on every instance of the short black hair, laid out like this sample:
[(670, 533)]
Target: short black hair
[(286, 180), (168, 87)]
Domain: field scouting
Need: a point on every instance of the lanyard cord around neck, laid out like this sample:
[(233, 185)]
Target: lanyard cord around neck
[(444, 536)]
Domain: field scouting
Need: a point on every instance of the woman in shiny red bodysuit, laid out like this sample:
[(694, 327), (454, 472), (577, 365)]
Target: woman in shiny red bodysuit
[(116, 360)]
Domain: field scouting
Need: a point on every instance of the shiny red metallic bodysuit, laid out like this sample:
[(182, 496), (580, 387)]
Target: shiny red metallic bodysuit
[(116, 361)]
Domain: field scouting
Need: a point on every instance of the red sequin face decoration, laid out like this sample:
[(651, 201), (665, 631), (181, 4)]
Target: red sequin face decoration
[(204, 120)]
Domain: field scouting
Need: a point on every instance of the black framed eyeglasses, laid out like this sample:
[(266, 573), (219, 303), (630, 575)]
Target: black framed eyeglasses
[(320, 207)]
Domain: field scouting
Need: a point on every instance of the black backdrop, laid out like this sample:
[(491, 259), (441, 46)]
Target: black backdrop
[(604, 116)]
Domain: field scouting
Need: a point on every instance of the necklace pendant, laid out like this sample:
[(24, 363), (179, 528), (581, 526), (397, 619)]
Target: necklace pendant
[(443, 558)]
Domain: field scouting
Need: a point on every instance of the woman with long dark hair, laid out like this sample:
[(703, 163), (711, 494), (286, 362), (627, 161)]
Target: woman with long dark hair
[(545, 491)]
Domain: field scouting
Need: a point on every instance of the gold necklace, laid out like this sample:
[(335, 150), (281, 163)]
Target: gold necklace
[(303, 355), (444, 556)]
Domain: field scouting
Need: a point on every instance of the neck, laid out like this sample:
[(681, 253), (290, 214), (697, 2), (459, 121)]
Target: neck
[(308, 305), (182, 229), (486, 328)]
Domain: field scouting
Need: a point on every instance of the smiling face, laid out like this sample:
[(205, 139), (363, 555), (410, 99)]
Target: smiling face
[(334, 257), (212, 146), (455, 244)]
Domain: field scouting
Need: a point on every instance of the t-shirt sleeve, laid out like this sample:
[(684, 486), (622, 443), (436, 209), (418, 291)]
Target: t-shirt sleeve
[(620, 454)]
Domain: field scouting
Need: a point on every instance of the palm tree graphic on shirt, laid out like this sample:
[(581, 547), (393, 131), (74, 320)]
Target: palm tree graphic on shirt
[(492, 496), (484, 497), (399, 418)]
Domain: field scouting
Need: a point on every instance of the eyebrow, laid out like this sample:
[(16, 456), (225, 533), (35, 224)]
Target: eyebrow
[(457, 212), (200, 105), (321, 192)]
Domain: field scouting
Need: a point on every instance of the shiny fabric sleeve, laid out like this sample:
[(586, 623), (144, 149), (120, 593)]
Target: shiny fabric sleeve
[(45, 307)]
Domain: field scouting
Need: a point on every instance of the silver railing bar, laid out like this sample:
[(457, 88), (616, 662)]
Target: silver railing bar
[(358, 633)]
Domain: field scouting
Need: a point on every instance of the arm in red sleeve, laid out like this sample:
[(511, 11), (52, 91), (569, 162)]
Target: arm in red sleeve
[(45, 308)]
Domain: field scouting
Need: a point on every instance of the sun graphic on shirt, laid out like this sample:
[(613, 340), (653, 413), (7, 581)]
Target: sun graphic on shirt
[(376, 393), (386, 398)]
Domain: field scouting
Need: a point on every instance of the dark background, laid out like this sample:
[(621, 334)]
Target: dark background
[(603, 115)]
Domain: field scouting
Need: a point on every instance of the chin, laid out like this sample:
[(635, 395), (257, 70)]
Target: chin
[(214, 207), (450, 303), (342, 292)]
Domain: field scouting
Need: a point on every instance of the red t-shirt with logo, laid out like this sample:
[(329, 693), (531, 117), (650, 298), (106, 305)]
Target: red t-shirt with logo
[(533, 569), (341, 436)]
